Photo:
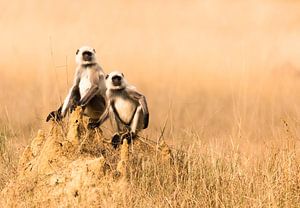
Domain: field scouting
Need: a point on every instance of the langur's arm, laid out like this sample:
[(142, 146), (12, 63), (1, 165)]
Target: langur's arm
[(143, 103), (89, 95), (94, 89), (105, 114), (73, 91)]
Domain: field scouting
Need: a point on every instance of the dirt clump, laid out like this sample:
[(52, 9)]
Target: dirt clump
[(71, 166)]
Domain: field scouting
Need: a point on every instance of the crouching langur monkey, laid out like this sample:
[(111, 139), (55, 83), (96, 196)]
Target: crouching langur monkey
[(126, 107)]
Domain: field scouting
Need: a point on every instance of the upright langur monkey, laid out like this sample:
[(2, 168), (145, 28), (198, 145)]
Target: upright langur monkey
[(88, 89), (127, 108)]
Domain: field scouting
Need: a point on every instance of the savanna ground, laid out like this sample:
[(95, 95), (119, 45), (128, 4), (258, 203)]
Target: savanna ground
[(226, 91), (237, 136)]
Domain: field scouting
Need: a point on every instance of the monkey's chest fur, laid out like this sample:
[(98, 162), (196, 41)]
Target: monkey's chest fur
[(125, 109), (96, 105), (85, 83)]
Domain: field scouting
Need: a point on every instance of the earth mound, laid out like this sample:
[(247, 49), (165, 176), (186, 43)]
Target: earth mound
[(75, 167)]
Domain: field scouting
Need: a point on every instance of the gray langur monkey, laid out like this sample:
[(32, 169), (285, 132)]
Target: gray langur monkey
[(88, 89), (126, 107)]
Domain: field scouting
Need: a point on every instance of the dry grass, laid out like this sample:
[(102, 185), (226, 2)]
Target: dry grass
[(234, 143)]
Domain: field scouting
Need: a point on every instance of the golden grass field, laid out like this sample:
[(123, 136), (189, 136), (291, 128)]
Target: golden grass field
[(223, 77)]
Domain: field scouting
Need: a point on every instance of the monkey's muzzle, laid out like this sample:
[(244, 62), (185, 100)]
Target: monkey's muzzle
[(87, 56), (116, 80)]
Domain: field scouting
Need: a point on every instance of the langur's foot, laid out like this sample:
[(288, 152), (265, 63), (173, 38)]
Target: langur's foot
[(116, 140)]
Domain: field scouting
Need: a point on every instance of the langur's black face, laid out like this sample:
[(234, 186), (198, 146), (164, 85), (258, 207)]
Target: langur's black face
[(87, 56), (116, 80)]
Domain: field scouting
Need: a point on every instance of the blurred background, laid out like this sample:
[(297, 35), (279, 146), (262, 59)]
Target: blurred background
[(208, 68)]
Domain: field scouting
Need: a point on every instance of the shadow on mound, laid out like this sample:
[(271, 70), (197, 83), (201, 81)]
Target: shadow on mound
[(77, 168)]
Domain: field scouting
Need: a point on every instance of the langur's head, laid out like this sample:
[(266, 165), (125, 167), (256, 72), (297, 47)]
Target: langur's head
[(115, 81), (85, 55)]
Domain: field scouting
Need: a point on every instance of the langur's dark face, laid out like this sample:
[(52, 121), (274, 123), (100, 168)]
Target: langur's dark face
[(116, 80), (87, 56)]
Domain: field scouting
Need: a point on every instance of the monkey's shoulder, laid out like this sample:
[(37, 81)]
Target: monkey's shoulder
[(134, 93), (121, 95)]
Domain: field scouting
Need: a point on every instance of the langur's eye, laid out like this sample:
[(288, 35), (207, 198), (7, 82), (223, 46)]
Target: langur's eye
[(77, 51), (106, 76)]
